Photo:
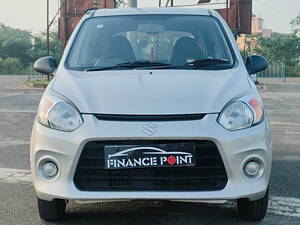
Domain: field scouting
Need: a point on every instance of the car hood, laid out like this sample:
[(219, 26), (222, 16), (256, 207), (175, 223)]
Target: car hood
[(143, 92)]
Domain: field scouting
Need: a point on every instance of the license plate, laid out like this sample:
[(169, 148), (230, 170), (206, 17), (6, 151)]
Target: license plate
[(157, 155)]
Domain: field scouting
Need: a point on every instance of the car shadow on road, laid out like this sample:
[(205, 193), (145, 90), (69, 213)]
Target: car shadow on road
[(149, 213)]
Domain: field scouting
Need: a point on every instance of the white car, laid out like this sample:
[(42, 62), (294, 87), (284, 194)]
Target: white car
[(152, 104)]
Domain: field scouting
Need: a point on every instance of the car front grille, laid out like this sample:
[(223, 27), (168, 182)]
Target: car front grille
[(207, 175), (151, 118)]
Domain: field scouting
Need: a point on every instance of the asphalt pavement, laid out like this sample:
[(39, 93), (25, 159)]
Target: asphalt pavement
[(18, 106)]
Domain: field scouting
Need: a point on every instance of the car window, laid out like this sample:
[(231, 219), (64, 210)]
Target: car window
[(170, 39), (155, 47)]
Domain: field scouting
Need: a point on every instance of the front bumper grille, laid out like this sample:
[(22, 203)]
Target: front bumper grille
[(207, 175)]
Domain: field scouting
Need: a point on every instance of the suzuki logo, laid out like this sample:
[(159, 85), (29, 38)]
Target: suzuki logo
[(149, 129)]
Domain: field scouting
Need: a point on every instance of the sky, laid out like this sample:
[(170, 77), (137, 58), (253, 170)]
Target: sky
[(31, 14)]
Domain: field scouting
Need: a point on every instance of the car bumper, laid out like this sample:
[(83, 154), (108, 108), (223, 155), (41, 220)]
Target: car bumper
[(235, 147)]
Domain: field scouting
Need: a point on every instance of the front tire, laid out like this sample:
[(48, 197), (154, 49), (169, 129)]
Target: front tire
[(51, 210), (253, 210)]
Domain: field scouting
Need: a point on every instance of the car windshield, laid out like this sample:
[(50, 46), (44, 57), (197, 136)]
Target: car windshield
[(150, 41)]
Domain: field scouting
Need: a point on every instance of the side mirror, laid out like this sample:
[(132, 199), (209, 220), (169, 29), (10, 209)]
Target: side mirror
[(256, 63), (46, 65)]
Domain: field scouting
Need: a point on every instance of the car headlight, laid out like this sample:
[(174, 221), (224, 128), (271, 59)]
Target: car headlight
[(241, 114), (58, 113)]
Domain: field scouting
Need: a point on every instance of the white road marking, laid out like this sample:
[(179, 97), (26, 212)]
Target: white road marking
[(6, 94), (14, 175), (286, 124), (283, 206), (286, 158), (5, 143), (17, 111)]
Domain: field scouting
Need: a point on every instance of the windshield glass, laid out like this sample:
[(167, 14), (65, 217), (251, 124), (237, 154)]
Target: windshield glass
[(156, 41)]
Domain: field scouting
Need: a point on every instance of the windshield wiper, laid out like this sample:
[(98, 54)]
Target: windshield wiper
[(207, 62), (158, 65), (130, 65), (138, 64)]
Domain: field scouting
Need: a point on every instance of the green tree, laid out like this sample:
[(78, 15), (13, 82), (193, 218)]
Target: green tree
[(40, 46), (281, 47), (22, 47), (15, 43), (1, 65), (295, 23), (120, 3), (11, 65)]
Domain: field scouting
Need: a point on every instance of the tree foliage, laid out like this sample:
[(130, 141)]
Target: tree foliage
[(279, 47), (21, 48), (15, 43), (120, 3), (11, 65), (39, 48), (295, 23)]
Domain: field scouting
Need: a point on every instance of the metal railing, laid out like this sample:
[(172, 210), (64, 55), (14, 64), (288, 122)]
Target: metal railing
[(274, 70), (33, 75)]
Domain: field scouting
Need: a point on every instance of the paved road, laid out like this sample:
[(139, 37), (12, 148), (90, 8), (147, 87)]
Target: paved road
[(17, 197)]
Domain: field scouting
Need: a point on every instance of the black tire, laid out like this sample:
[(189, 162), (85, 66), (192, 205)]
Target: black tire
[(51, 210), (254, 210)]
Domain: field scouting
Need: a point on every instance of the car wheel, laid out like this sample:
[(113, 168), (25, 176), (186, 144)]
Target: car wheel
[(253, 210), (51, 210)]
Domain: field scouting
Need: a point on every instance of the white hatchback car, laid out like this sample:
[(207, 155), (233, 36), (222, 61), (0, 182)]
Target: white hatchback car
[(152, 104)]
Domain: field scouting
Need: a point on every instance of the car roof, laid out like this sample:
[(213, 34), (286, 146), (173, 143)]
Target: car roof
[(162, 10)]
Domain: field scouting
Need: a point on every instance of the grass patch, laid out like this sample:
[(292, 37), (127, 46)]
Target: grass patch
[(39, 83)]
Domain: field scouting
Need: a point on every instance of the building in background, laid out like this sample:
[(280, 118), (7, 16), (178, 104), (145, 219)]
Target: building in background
[(258, 27), (71, 12), (246, 41), (237, 13)]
